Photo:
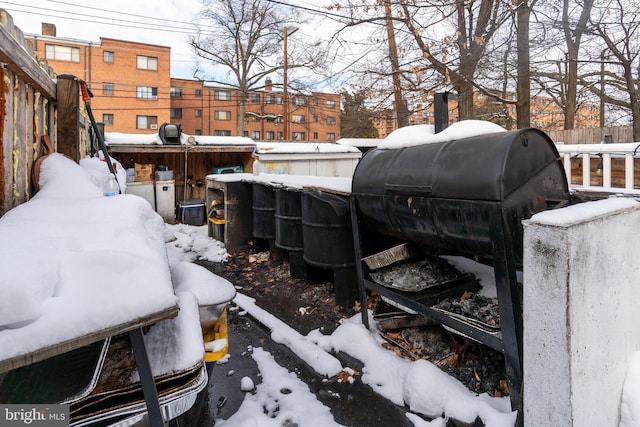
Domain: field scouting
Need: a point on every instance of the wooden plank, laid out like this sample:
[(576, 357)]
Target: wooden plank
[(68, 117), (66, 346)]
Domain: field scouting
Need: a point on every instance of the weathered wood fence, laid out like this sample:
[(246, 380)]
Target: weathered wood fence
[(33, 103), (619, 134)]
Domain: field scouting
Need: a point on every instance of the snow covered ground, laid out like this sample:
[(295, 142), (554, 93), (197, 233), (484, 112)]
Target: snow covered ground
[(420, 385)]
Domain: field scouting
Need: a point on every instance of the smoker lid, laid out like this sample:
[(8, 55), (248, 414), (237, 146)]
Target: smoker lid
[(486, 167)]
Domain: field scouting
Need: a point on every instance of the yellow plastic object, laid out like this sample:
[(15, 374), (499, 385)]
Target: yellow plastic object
[(217, 221), (217, 332)]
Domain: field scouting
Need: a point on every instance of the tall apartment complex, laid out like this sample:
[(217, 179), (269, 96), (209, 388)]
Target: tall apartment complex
[(134, 93)]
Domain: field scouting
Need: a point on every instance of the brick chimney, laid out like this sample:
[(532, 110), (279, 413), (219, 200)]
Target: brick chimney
[(268, 85), (48, 29)]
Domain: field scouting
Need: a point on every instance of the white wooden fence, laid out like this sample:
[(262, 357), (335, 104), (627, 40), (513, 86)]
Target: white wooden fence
[(624, 154)]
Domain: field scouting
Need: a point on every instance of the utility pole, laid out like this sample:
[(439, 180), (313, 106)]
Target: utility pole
[(285, 100), (602, 90), (402, 116)]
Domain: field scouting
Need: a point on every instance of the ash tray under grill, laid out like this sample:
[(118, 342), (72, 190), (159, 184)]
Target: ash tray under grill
[(390, 317), (416, 276), (483, 313), (438, 292)]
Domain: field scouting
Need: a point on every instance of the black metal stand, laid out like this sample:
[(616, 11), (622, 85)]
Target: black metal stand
[(507, 341), (146, 378)]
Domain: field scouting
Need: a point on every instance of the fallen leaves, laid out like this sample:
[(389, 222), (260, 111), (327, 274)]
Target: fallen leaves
[(347, 375)]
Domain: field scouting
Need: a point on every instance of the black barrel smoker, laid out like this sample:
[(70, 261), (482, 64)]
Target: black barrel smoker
[(463, 197)]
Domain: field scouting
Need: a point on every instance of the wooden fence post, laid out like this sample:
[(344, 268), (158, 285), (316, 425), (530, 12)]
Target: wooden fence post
[(68, 116)]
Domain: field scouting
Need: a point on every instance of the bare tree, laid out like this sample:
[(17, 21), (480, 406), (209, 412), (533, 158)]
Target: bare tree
[(246, 36), (617, 23), (573, 33)]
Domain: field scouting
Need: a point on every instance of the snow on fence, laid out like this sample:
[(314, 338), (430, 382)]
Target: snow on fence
[(622, 154)]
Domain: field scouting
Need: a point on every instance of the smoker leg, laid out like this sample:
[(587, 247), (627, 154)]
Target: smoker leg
[(146, 378), (510, 307), (357, 246)]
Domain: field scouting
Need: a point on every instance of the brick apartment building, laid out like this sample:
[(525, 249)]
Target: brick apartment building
[(545, 114), (213, 110), (134, 93), (130, 81)]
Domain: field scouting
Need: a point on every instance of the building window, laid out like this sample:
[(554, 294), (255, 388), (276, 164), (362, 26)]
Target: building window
[(222, 115), (175, 113), (62, 53), (255, 135), (108, 56), (331, 136), (176, 91), (146, 122), (315, 101), (315, 118), (331, 103), (315, 135), (298, 101), (198, 112), (298, 136), (221, 133), (255, 97), (331, 120), (198, 132), (107, 119), (280, 136), (269, 135), (107, 88), (271, 99), (147, 62), (222, 95), (198, 92), (278, 100), (298, 118), (146, 92)]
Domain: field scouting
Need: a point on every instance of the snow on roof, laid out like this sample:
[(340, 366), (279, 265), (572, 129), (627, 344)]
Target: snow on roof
[(302, 148), (117, 138), (424, 134), (359, 142)]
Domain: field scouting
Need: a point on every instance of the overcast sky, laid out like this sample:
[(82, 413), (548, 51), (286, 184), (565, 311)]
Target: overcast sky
[(160, 22)]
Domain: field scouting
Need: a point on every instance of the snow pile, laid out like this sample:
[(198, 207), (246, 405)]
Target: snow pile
[(422, 386), (208, 288), (424, 134), (75, 262), (189, 243), (582, 211)]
